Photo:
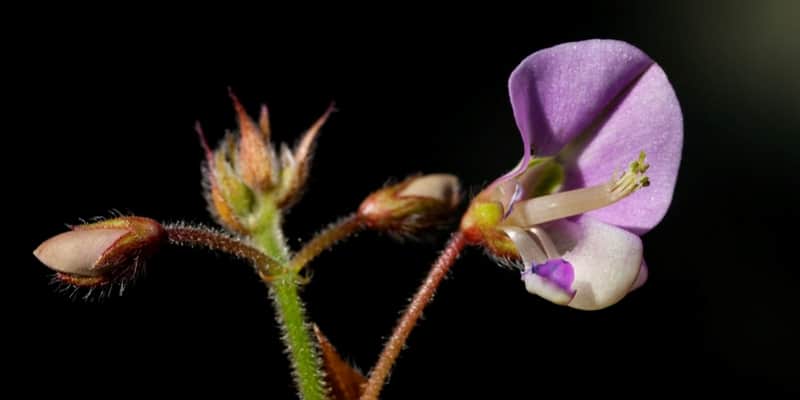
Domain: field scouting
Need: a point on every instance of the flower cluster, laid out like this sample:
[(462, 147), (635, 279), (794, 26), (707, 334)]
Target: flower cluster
[(602, 135)]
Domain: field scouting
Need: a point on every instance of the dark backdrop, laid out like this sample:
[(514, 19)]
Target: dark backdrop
[(102, 113)]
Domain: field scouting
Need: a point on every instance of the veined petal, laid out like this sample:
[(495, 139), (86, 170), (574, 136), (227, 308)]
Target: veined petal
[(647, 119), (605, 259), (557, 93)]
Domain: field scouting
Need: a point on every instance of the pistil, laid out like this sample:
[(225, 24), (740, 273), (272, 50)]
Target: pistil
[(556, 206)]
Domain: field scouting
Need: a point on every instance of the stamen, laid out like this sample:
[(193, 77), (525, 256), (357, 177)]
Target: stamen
[(632, 179), (574, 202)]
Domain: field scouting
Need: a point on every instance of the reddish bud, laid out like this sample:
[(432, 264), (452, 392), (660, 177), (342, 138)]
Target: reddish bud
[(417, 203), (254, 159), (101, 252)]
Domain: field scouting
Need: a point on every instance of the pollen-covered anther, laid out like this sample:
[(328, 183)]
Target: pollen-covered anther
[(634, 178)]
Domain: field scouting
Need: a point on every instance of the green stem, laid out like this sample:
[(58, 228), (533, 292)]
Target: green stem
[(302, 349), (291, 313)]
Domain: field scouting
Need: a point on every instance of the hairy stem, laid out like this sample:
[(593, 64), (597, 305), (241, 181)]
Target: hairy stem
[(270, 260), (218, 241), (403, 328), (291, 313), (302, 349), (324, 240)]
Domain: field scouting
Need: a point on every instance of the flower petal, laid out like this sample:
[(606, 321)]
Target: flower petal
[(641, 277), (605, 259), (546, 288), (552, 281), (558, 271), (557, 93), (647, 119), (439, 187), (77, 251)]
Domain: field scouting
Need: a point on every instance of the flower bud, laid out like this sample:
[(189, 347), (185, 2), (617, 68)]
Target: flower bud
[(417, 203), (228, 196), (255, 157), (244, 176), (101, 252)]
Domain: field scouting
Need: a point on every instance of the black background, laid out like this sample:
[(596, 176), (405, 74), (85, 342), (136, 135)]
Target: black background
[(102, 110)]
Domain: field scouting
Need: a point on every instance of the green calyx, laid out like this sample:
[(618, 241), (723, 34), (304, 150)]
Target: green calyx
[(235, 192), (543, 176)]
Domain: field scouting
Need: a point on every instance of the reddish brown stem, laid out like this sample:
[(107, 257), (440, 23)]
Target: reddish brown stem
[(324, 240), (218, 241), (424, 295)]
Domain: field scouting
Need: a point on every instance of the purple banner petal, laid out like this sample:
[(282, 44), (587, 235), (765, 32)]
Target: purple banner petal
[(557, 93)]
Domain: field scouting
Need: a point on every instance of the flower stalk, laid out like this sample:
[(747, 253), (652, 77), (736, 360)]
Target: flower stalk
[(183, 235), (302, 349), (270, 257), (324, 240), (290, 311), (412, 314)]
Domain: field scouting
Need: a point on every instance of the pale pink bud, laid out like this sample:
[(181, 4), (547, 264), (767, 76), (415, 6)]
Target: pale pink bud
[(417, 203), (102, 251)]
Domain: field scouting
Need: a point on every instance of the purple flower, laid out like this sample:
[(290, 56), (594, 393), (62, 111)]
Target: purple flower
[(594, 116)]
